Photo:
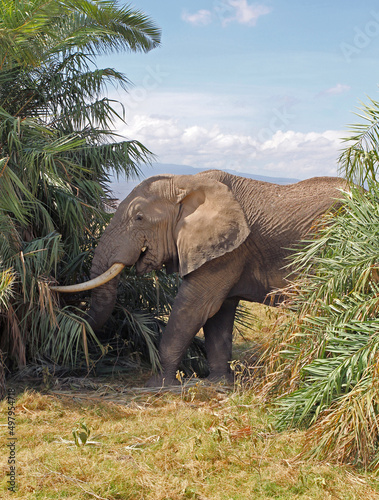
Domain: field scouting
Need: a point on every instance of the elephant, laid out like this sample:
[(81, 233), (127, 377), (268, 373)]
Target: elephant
[(228, 237)]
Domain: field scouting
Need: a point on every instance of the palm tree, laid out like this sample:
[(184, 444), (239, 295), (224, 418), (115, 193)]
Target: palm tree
[(57, 153), (323, 363)]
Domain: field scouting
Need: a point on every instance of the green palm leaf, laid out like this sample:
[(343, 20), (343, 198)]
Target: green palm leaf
[(359, 161)]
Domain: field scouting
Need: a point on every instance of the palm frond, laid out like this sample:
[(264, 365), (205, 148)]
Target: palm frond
[(359, 161), (322, 364), (34, 30)]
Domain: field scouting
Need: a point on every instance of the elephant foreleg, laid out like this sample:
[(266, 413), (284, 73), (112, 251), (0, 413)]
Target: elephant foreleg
[(201, 296), (192, 308), (218, 332)]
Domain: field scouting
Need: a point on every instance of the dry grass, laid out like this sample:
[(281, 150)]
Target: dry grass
[(199, 444), (202, 443)]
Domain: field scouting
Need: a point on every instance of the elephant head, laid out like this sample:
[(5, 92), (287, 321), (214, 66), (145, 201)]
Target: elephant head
[(179, 222)]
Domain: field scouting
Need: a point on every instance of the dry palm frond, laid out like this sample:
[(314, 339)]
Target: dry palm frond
[(7, 282), (350, 427)]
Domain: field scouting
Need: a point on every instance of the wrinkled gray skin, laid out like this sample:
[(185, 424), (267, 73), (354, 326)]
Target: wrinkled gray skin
[(227, 236)]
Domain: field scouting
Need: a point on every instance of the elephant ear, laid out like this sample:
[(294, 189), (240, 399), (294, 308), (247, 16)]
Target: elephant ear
[(210, 222)]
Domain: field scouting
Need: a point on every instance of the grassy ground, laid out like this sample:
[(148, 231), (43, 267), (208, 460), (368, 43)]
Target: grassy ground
[(202, 442)]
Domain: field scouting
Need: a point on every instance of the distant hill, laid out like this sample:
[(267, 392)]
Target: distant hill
[(123, 188)]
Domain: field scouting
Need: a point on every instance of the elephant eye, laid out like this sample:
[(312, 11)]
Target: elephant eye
[(139, 217)]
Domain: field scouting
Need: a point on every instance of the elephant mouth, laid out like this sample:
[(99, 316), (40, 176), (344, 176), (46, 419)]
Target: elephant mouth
[(142, 255), (143, 252), (144, 263)]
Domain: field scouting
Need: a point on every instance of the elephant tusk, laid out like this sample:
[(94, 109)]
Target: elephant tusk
[(88, 285)]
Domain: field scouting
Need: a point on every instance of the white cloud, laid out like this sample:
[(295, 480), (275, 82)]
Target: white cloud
[(199, 18), (285, 154), (235, 112), (340, 88), (245, 13), (228, 11)]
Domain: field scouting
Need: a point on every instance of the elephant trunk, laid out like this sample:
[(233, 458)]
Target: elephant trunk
[(103, 300), (103, 297)]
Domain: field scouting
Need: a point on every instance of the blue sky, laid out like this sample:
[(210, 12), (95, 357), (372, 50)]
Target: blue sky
[(262, 87)]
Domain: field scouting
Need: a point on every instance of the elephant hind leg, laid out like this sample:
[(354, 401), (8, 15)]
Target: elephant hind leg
[(218, 333)]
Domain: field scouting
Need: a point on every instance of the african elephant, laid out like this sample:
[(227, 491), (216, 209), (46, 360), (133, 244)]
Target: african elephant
[(227, 236)]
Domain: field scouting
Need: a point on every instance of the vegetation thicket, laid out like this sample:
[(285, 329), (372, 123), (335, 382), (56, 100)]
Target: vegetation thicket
[(57, 153), (323, 362)]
